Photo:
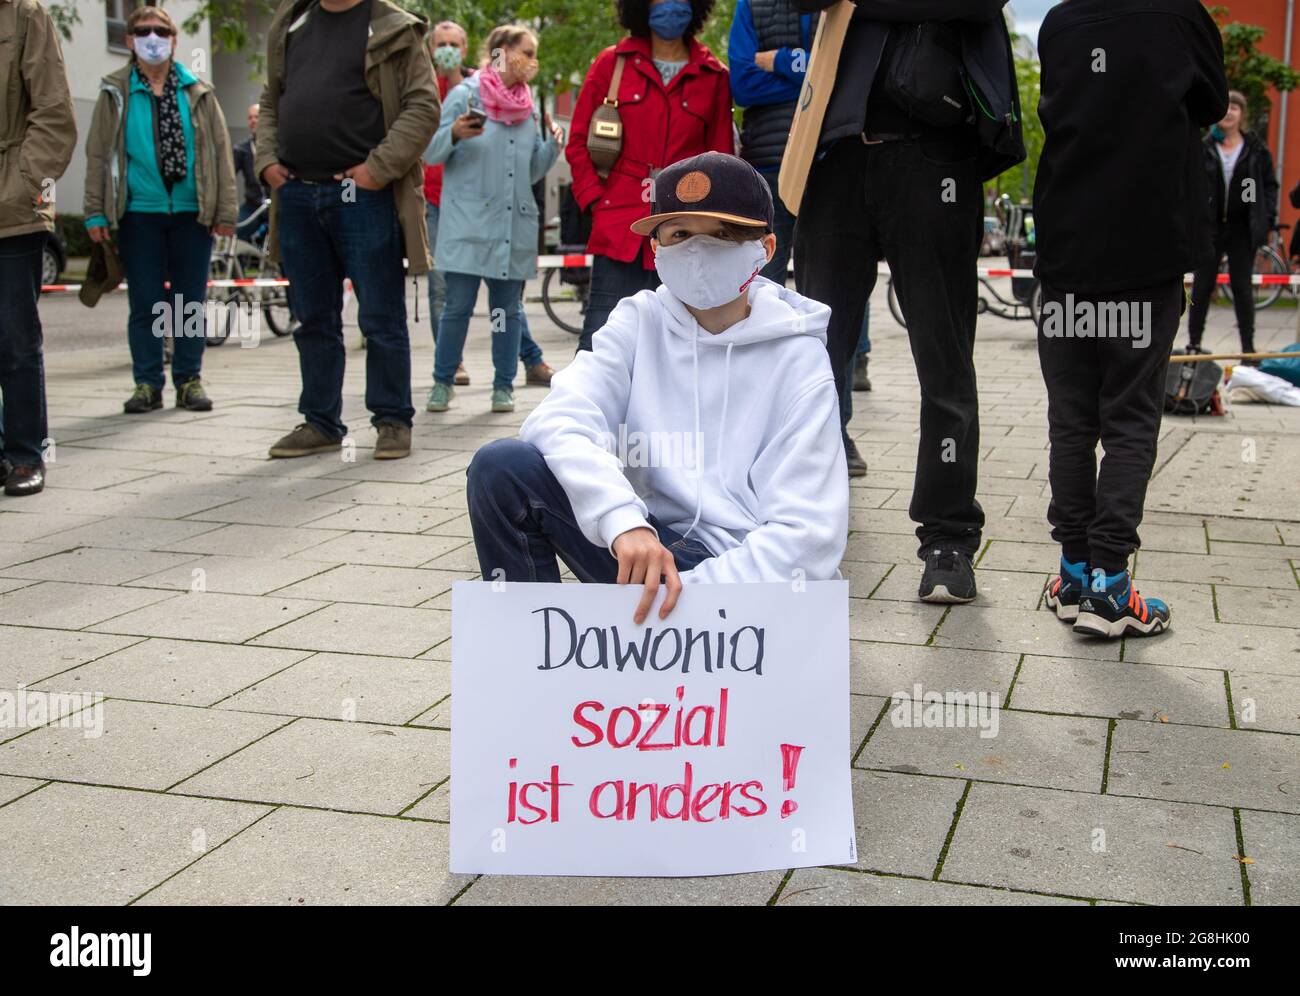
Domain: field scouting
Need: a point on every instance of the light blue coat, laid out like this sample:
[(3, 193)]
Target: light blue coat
[(488, 220)]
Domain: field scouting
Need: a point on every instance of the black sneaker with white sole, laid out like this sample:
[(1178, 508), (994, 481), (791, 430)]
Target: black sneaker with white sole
[(949, 577)]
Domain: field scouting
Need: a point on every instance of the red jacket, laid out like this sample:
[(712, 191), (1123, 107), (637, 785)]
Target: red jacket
[(660, 126)]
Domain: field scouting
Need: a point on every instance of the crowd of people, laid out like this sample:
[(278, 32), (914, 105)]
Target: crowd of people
[(387, 150)]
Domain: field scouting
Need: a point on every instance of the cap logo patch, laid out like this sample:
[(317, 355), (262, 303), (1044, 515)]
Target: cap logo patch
[(693, 187)]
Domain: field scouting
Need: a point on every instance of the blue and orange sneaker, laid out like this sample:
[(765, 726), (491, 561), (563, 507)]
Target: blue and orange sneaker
[(1064, 590), (1110, 606)]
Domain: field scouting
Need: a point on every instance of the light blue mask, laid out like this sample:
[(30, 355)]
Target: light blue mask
[(670, 20), (152, 50)]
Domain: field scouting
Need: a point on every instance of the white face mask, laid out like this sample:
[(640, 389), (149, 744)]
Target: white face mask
[(707, 272), (152, 50)]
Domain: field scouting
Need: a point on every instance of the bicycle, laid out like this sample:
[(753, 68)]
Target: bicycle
[(240, 259), (1270, 258), (567, 309)]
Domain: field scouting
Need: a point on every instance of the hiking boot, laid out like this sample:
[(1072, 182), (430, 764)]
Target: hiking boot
[(949, 578), (1110, 606), (861, 382), (393, 442), (503, 400), (857, 465), (304, 441), (440, 397), (191, 396), (462, 376), (24, 480), (144, 399), (1065, 589), (539, 375)]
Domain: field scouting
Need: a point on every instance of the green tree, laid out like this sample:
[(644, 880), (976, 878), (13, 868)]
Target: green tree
[(1251, 71)]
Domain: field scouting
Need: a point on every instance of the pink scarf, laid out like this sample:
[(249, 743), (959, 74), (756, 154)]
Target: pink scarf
[(508, 105)]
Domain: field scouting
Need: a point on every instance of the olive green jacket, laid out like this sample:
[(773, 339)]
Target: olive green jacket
[(38, 132), (400, 75)]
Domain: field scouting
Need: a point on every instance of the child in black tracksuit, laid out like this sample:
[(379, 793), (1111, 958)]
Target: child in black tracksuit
[(1122, 211)]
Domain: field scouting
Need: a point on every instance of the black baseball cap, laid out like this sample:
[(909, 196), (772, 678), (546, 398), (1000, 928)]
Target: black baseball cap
[(710, 185)]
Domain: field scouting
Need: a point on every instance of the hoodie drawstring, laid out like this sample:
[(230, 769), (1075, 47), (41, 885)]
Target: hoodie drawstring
[(699, 462)]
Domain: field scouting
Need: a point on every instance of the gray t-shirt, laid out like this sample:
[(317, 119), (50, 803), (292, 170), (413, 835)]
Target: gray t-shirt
[(667, 70)]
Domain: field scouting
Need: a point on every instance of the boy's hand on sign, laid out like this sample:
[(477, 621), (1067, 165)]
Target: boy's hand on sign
[(642, 559)]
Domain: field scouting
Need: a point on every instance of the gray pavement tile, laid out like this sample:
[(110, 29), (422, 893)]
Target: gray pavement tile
[(1122, 691), (143, 745), (1029, 749), (347, 686), (1202, 643), (753, 889), (384, 518), (887, 669), (1021, 631), (306, 857), (20, 527), (1253, 770), (255, 541), (382, 549), (840, 887), (11, 788), (1273, 845), (902, 820), (1266, 701), (264, 512), (364, 629), (123, 533), (1001, 589), (374, 585), (33, 654), (1259, 607), (87, 845), (59, 605), (358, 767), (892, 622), (91, 565), (232, 575), (1250, 572), (1095, 846), (209, 616)]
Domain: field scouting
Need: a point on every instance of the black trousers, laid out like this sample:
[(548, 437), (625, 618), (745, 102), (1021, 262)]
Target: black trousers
[(1232, 239), (1108, 390), (919, 206), (22, 359)]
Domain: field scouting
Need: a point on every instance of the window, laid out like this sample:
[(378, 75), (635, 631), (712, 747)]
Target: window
[(117, 10)]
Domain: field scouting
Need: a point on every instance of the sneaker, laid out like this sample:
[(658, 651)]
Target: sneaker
[(393, 442), (191, 396), (462, 376), (539, 375), (861, 382), (304, 441), (1065, 589), (1110, 606), (502, 400), (857, 465), (949, 578), (440, 397), (143, 399)]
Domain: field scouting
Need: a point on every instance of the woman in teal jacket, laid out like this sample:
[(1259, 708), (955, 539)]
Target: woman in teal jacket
[(491, 143)]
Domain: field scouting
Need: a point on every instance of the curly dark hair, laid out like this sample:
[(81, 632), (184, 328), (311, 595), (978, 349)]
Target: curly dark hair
[(635, 16)]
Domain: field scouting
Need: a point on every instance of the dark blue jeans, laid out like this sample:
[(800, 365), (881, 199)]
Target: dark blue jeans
[(611, 281), (157, 248), (778, 267), (506, 310), (22, 363), (326, 236), (522, 521), (864, 347)]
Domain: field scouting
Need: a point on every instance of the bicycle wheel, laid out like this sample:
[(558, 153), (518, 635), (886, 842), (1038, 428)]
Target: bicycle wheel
[(1267, 261), (563, 307), (275, 302), (895, 308), (224, 299)]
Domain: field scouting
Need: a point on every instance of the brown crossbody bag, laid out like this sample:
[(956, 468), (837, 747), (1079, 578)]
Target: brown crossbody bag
[(605, 134)]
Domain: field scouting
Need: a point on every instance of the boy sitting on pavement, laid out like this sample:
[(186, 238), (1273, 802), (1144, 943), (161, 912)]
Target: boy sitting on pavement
[(721, 382)]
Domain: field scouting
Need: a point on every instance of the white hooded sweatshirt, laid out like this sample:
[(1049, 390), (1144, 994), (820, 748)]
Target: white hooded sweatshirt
[(730, 439)]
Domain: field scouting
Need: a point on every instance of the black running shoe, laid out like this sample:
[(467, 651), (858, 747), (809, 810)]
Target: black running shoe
[(949, 577)]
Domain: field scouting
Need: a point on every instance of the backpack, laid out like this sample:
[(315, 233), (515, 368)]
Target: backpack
[(1193, 388)]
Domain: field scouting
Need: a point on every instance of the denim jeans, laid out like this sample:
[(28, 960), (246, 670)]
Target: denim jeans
[(506, 310), (865, 202), (157, 248), (327, 233), (437, 284), (864, 348), (611, 281), (522, 521), (778, 267), (22, 363)]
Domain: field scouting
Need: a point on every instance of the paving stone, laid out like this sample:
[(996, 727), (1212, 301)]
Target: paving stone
[(347, 686), (383, 549), (232, 575), (1259, 607), (83, 845), (181, 672), (1266, 701), (1122, 691), (1251, 572), (385, 518), (1253, 770), (1268, 649), (20, 527), (91, 565), (840, 887), (123, 533), (21, 553), (887, 669), (306, 857), (407, 586), (1273, 843), (1004, 589), (388, 493), (360, 767), (255, 541), (264, 512), (1244, 530), (1021, 631), (723, 890), (49, 651), (143, 745), (1095, 846), (902, 820), (12, 788), (364, 629), (210, 616), (1029, 749), (58, 605), (901, 622)]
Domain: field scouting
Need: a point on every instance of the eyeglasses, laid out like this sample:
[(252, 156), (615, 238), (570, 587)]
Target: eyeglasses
[(145, 30)]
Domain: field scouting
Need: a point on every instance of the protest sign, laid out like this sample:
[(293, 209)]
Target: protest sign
[(713, 742)]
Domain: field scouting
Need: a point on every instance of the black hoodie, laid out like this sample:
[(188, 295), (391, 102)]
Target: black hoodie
[(1121, 199)]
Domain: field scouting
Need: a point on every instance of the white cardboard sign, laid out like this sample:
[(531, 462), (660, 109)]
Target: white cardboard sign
[(713, 742)]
